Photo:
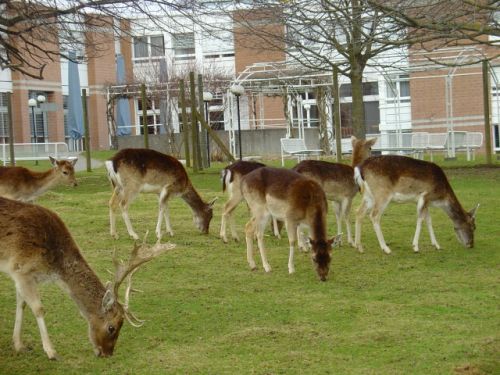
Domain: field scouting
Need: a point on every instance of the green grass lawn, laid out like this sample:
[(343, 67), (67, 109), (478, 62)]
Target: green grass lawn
[(436, 312)]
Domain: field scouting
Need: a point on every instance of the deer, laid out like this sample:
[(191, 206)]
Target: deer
[(231, 182), (132, 171), (22, 184), (38, 247), (294, 199), (396, 178), (337, 180)]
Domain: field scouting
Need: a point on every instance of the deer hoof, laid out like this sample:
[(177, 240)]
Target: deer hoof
[(387, 250)]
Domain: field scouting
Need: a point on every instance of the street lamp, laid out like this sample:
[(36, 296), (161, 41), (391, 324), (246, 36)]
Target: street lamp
[(207, 97), (33, 103), (238, 90)]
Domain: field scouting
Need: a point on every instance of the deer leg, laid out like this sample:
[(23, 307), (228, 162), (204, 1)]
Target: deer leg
[(113, 207), (260, 223), (360, 214), (337, 208), (227, 215), (20, 305), (346, 214), (421, 209), (163, 214), (292, 230), (302, 243), (124, 203), (249, 235), (28, 292), (431, 230), (276, 229), (375, 216)]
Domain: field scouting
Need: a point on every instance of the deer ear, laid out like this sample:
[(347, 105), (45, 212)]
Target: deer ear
[(53, 161), (353, 139), (74, 160), (335, 241), (371, 141), (108, 300), (472, 212)]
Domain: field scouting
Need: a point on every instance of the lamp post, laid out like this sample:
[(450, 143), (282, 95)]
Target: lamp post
[(32, 103), (238, 90), (207, 97)]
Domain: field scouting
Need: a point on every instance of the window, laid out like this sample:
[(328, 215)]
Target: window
[(152, 116), (183, 45), (399, 85), (146, 47), (369, 88), (4, 118)]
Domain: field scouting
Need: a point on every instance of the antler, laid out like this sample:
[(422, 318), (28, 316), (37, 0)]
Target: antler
[(140, 254)]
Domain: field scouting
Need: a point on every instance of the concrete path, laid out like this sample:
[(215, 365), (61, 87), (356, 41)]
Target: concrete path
[(81, 163)]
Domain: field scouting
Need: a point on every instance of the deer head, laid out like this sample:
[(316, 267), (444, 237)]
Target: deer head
[(105, 326), (65, 169)]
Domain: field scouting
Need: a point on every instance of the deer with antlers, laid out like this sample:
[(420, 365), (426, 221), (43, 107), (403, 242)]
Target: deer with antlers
[(337, 180), (22, 184), (231, 182), (293, 198), (387, 178), (132, 171), (37, 247)]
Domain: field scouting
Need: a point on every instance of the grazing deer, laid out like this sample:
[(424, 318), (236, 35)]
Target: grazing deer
[(387, 178), (231, 181), (22, 184), (37, 247), (293, 198), (132, 171), (337, 180)]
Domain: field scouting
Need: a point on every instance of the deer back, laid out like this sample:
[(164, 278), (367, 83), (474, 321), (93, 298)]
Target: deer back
[(336, 179), (149, 171)]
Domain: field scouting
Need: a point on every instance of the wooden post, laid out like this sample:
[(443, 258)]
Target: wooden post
[(86, 134), (185, 123), (203, 132), (11, 129), (194, 125), (336, 114), (487, 111), (145, 115)]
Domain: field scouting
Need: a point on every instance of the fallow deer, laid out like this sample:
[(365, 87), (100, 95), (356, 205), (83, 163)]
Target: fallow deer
[(294, 199), (37, 247), (132, 171), (387, 178), (22, 184), (337, 180), (231, 181)]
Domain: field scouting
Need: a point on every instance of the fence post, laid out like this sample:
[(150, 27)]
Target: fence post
[(336, 115), (86, 130)]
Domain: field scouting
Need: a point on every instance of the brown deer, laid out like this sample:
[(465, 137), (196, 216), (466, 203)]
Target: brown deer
[(132, 171), (22, 184), (37, 247), (231, 181), (294, 199), (337, 180), (387, 178)]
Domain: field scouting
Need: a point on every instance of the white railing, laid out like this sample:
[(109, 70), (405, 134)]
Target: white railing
[(35, 151)]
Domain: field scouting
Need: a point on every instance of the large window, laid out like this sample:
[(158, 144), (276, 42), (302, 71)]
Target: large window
[(152, 116), (148, 47), (183, 45)]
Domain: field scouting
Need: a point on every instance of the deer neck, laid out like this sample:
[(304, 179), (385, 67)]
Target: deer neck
[(318, 227), (454, 210), (193, 199), (43, 181), (83, 285)]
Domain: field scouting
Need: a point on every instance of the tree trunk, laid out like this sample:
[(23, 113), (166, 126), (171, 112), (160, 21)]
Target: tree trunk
[(358, 111)]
